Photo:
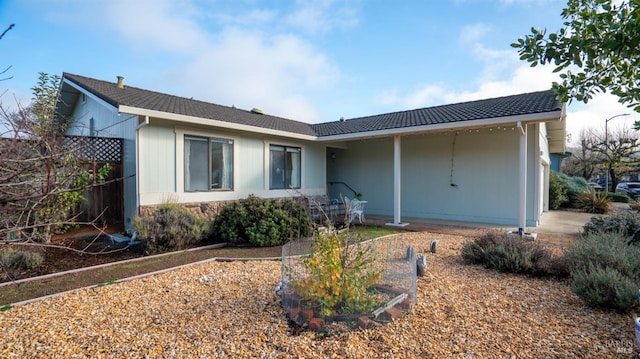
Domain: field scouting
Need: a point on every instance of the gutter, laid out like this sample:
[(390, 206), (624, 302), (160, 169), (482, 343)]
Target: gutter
[(144, 123), (211, 122), (441, 127)]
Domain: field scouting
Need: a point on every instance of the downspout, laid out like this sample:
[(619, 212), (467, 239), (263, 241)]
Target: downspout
[(144, 123), (522, 213)]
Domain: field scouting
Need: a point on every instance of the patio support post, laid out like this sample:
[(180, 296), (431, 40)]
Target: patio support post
[(396, 183), (522, 214)]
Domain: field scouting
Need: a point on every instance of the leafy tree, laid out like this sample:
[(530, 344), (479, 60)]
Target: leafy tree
[(601, 40)]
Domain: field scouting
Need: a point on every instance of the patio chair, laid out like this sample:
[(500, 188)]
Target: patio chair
[(357, 210)]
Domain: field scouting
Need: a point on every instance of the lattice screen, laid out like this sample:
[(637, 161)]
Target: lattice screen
[(100, 149)]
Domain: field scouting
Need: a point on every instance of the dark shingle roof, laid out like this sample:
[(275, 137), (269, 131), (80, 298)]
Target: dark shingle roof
[(150, 100), (524, 104)]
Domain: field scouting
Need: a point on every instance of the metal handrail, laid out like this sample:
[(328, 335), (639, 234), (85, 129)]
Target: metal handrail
[(355, 193)]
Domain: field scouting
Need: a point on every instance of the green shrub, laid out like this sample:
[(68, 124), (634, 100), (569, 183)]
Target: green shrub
[(340, 275), (591, 201), (261, 222), (574, 186), (509, 257), (627, 223), (605, 270), (17, 259), (618, 197), (496, 250), (557, 191), (606, 250), (171, 227), (605, 287)]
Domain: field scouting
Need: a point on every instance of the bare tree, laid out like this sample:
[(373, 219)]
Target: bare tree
[(583, 161), (617, 151), (42, 177), (8, 67)]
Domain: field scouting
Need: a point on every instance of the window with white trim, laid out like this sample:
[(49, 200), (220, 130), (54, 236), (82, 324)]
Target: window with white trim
[(208, 163), (285, 167)]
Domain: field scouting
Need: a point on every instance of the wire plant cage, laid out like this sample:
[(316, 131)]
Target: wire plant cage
[(334, 282)]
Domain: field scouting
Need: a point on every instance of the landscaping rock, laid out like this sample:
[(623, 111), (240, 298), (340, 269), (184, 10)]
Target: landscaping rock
[(460, 311), (421, 264)]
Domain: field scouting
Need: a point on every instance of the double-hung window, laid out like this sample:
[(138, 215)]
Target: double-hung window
[(284, 167), (208, 163)]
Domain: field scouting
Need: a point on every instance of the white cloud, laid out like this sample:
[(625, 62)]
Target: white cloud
[(249, 69), (250, 19), (211, 59), (163, 25), (322, 16), (470, 34), (520, 79), (507, 77), (593, 115)]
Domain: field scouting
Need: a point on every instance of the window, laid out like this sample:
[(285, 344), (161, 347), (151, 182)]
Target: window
[(285, 167), (208, 164)]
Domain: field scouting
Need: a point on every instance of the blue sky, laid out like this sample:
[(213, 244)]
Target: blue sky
[(312, 61)]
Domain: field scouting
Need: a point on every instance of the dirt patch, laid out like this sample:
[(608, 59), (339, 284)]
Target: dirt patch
[(61, 259)]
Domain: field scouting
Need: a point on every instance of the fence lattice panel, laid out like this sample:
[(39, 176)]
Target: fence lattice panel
[(98, 149)]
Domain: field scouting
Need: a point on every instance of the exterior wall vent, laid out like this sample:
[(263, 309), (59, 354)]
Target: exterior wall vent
[(257, 110)]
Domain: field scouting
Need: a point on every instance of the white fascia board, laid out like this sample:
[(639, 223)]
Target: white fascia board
[(212, 123), (490, 122), (91, 95)]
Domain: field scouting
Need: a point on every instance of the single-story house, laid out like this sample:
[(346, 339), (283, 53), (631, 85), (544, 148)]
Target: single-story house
[(481, 161)]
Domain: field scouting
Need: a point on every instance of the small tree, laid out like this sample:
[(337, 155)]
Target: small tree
[(42, 176)]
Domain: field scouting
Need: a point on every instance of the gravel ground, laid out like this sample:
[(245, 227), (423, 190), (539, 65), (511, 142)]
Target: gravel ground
[(229, 309)]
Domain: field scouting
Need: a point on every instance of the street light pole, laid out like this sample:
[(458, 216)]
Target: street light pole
[(606, 149)]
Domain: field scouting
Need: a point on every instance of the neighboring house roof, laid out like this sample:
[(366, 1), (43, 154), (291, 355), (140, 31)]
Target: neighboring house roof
[(437, 117)]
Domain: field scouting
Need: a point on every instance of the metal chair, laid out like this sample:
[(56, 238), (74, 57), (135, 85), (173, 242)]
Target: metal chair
[(357, 210)]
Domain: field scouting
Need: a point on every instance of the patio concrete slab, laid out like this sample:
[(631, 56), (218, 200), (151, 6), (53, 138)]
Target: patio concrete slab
[(563, 222)]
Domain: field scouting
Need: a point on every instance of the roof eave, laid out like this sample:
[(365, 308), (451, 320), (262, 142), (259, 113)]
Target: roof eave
[(440, 127), (210, 122), (88, 93)]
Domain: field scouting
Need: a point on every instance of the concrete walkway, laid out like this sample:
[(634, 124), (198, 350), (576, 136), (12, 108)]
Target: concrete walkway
[(552, 222)]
